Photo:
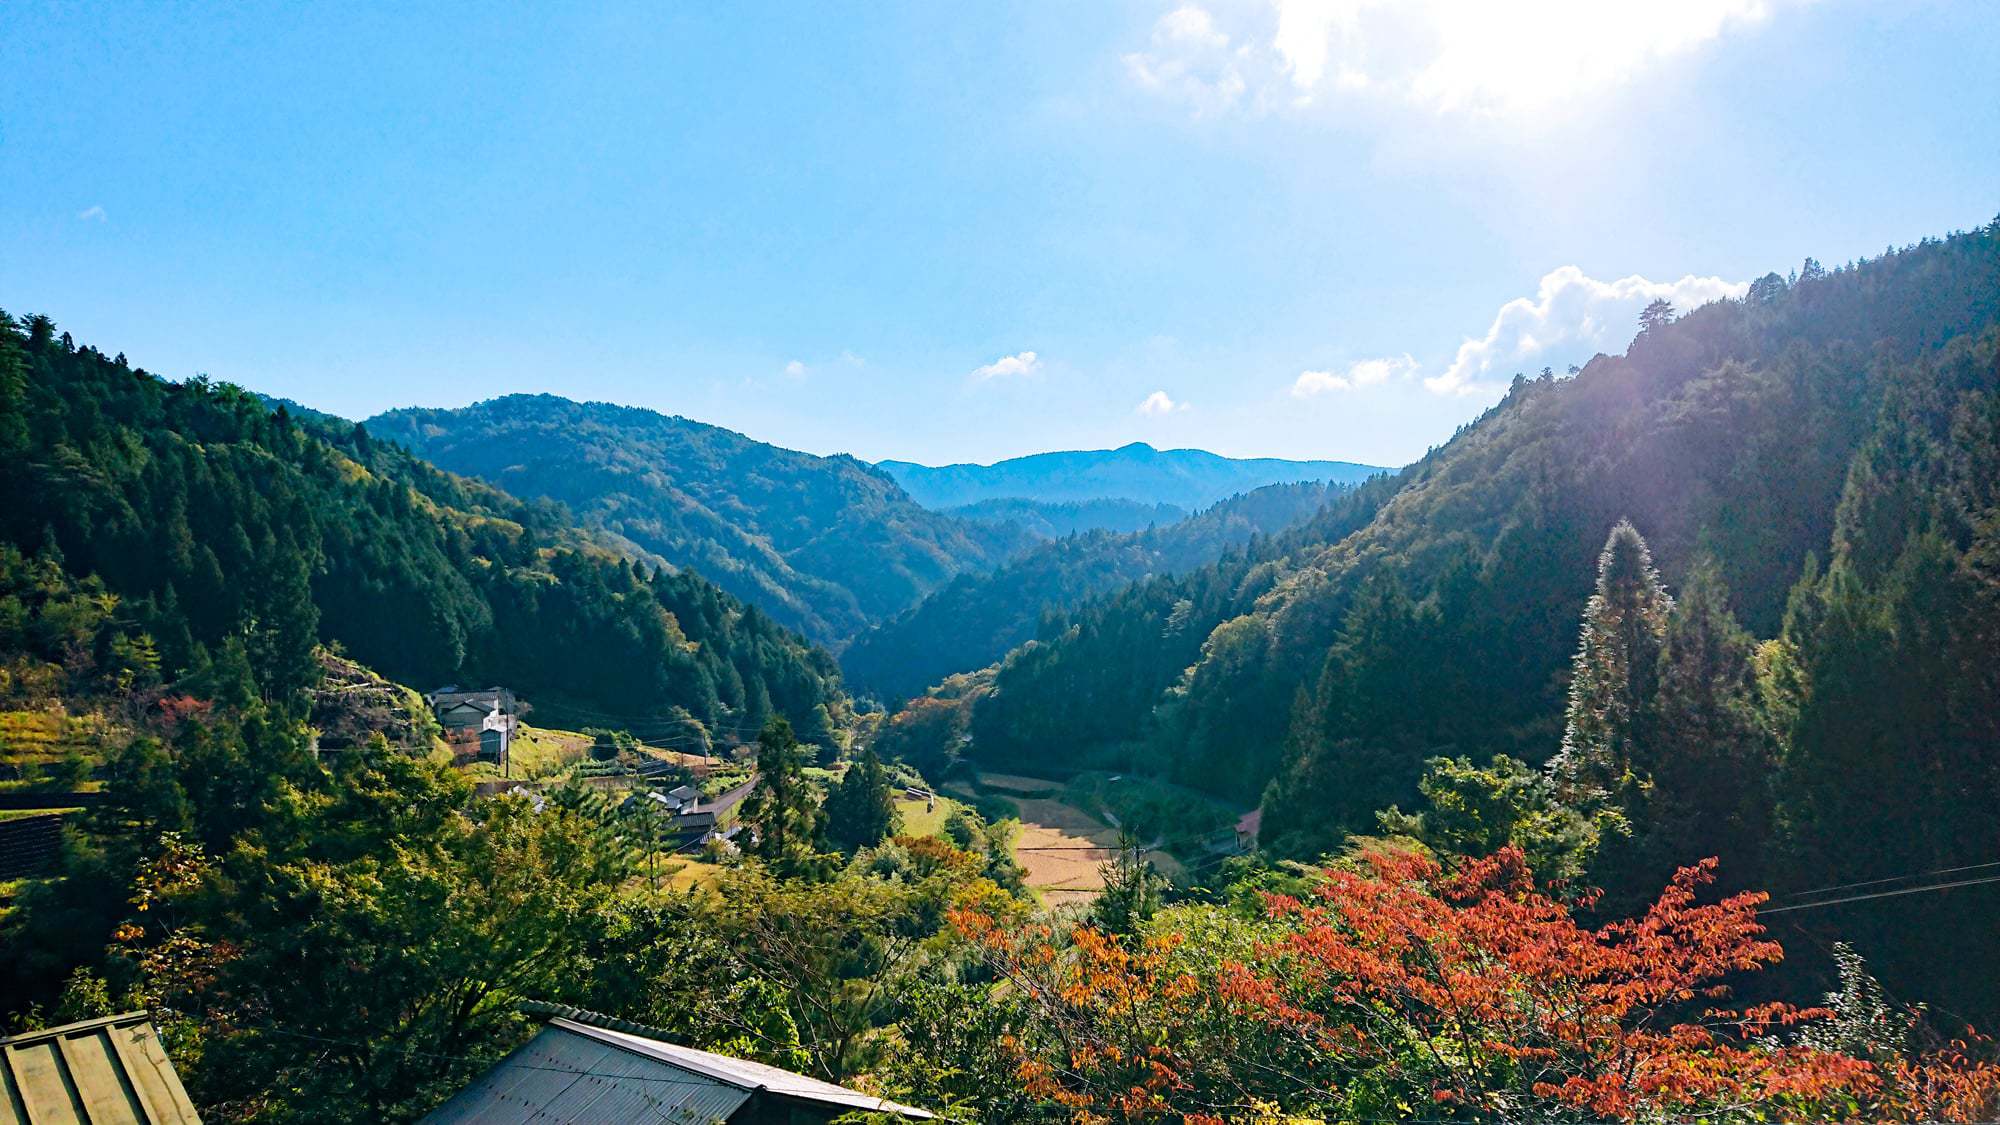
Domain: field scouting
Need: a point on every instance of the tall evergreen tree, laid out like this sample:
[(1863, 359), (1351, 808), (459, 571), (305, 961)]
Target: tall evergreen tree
[(1616, 668), (1132, 890), (1709, 748), (787, 819), (861, 810)]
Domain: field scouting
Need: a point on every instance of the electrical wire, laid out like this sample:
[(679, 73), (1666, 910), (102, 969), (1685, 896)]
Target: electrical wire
[(1882, 894), (1892, 879)]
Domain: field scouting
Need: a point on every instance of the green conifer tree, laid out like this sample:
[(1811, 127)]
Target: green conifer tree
[(1709, 749), (1132, 888), (1615, 669), (861, 810), (782, 810)]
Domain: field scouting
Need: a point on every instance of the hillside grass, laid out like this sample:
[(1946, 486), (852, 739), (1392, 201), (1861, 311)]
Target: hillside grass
[(920, 821), (23, 814), (1152, 810), (32, 742), (537, 752)]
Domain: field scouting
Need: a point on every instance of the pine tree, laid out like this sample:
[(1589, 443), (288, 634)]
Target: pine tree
[(1616, 668), (861, 810), (1709, 748), (787, 820), (1132, 888)]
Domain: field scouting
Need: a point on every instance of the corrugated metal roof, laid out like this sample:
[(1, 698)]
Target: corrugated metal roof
[(580, 1068), (742, 1073), (110, 1071), (562, 1076)]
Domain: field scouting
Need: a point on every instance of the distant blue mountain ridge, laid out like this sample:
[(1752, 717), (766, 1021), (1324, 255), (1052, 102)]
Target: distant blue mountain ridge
[(1190, 479)]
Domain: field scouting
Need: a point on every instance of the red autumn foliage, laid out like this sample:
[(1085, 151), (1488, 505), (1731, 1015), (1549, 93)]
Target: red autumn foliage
[(1470, 994), (177, 709)]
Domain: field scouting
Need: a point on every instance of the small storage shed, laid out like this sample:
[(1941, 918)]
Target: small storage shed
[(587, 1067), (110, 1071)]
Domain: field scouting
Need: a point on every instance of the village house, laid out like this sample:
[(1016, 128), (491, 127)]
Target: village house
[(478, 724), (687, 823)]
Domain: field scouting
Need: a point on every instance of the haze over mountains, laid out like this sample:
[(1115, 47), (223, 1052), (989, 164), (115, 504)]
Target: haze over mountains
[(827, 545), (977, 618), (1186, 478)]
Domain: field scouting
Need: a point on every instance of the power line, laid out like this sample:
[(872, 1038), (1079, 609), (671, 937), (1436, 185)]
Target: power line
[(1883, 894), (1892, 879)]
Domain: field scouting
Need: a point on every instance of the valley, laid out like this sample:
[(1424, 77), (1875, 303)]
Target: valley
[(1712, 615), (1004, 563)]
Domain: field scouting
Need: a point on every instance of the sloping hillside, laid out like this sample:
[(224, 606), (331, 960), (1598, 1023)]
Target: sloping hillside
[(1730, 429), (1186, 478), (1802, 692), (1053, 519), (237, 537), (826, 545), (976, 619)]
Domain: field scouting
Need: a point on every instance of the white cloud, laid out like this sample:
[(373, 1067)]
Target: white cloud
[(1476, 56), (1571, 317), (1191, 61), (1158, 404), (1573, 312), (1362, 373), (852, 360), (1190, 23), (1025, 363), (795, 369), (92, 214)]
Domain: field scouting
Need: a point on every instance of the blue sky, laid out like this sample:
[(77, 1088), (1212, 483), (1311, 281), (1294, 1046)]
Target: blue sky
[(1308, 228)]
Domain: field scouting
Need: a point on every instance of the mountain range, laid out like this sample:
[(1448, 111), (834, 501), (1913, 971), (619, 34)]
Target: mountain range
[(1729, 598), (975, 619), (826, 545), (1186, 478), (829, 546)]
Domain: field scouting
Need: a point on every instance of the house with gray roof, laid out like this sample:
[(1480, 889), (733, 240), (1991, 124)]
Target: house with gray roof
[(583, 1066)]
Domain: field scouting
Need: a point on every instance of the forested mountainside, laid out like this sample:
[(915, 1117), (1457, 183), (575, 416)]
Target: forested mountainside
[(236, 537), (1186, 478), (1817, 461), (1053, 519), (977, 619), (826, 545), (355, 936)]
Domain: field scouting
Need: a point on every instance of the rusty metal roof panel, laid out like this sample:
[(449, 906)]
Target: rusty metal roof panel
[(560, 1076), (110, 1071)]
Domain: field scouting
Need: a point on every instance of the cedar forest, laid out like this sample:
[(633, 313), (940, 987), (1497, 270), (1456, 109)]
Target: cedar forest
[(1632, 756)]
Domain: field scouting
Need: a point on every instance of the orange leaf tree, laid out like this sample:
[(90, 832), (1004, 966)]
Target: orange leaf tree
[(1396, 991)]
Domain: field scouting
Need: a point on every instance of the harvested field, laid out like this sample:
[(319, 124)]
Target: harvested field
[(1018, 785), (1062, 847)]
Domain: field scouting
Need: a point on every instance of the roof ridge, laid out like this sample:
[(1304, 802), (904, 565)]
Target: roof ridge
[(712, 1065), (547, 1008), (73, 1028)]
